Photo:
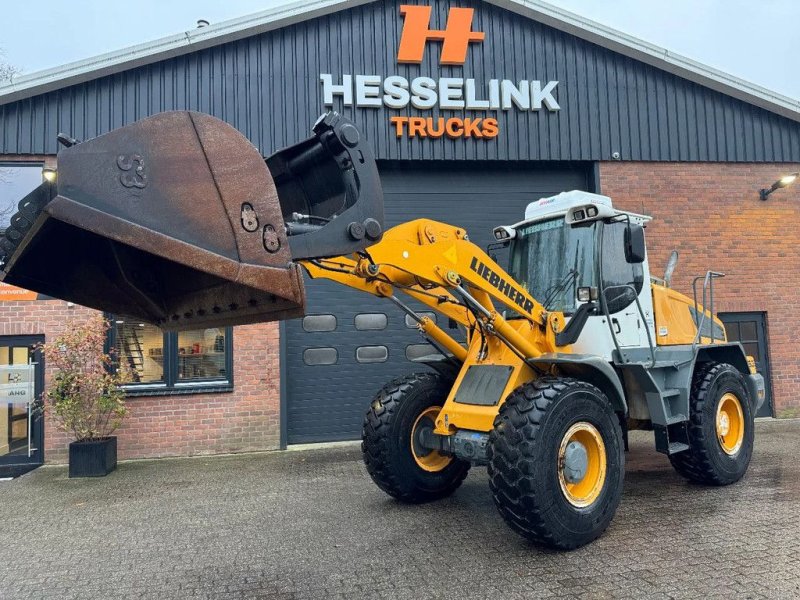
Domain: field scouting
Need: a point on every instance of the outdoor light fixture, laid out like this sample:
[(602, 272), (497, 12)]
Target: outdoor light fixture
[(504, 233), (781, 183), (49, 174)]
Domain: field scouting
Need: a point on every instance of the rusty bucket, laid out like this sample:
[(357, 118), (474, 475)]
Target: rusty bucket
[(177, 220)]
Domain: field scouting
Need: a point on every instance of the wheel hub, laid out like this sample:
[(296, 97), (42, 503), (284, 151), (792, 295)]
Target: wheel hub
[(582, 464), (427, 459), (730, 424), (576, 462), (724, 424)]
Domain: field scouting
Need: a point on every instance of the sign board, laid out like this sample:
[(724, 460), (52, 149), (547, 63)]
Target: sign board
[(426, 93), (16, 384), (12, 293)]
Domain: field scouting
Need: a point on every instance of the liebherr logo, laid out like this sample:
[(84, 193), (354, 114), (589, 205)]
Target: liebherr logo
[(456, 37), (501, 284)]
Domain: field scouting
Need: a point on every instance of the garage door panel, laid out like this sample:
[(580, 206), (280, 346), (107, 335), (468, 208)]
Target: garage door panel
[(327, 402)]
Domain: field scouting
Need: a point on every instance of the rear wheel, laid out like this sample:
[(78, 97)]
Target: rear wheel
[(721, 427), (398, 418), (557, 462)]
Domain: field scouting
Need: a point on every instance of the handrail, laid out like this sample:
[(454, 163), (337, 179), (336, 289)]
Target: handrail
[(708, 291)]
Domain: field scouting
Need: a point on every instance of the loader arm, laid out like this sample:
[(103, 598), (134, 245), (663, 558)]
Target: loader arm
[(437, 265)]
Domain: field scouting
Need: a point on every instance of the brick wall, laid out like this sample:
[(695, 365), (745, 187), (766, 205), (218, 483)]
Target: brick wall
[(246, 419), (711, 214)]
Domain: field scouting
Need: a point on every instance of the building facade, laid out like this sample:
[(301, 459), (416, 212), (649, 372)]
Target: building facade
[(474, 109)]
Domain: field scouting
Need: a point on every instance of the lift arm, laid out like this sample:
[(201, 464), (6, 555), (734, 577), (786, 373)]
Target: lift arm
[(437, 265)]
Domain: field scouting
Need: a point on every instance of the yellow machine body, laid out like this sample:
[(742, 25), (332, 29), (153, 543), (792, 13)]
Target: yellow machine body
[(675, 324)]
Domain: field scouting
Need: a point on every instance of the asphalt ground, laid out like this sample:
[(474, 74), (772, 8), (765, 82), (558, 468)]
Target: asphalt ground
[(310, 524)]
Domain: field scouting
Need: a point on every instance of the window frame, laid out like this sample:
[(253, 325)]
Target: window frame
[(172, 386), (600, 275)]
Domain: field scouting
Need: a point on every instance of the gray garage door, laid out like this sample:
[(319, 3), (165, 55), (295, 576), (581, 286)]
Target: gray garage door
[(350, 344)]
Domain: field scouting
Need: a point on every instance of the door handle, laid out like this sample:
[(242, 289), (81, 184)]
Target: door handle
[(617, 328)]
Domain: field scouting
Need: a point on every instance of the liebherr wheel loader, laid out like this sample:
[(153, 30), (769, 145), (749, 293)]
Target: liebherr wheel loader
[(177, 220)]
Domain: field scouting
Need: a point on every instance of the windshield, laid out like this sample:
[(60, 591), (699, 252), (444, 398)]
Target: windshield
[(552, 260)]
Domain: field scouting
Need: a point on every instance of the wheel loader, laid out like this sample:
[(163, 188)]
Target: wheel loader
[(177, 220)]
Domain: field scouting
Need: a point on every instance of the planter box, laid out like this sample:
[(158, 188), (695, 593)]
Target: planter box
[(96, 458)]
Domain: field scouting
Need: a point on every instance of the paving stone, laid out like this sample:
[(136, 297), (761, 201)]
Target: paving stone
[(300, 525)]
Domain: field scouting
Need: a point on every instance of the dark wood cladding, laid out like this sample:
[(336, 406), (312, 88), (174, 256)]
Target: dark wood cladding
[(268, 86)]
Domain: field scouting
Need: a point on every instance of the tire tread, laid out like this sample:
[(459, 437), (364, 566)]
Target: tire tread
[(376, 445)]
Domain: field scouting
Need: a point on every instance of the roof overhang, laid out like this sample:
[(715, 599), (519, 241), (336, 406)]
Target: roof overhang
[(62, 76), (653, 55), (73, 73)]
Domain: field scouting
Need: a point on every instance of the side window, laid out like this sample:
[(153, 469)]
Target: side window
[(185, 360), (617, 271)]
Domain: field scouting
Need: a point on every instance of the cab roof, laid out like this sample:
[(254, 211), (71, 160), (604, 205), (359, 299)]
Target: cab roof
[(560, 204)]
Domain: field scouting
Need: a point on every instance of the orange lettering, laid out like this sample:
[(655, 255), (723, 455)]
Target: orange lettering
[(456, 37), (416, 127), (472, 128), (399, 124), (439, 131), (454, 127), (490, 128)]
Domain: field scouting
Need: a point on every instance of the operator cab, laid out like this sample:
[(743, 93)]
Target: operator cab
[(579, 255)]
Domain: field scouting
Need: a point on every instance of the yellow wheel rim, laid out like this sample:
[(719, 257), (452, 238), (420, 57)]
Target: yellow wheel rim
[(586, 489), (428, 460), (730, 424)]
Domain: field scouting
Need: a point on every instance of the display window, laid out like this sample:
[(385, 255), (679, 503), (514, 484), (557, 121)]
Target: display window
[(181, 361)]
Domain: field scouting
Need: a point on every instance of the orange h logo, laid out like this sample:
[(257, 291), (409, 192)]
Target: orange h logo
[(456, 36)]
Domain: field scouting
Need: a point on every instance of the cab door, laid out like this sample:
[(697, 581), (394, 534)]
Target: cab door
[(621, 283)]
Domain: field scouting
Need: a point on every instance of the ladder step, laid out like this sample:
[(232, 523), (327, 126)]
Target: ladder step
[(670, 393), (675, 447), (676, 419)]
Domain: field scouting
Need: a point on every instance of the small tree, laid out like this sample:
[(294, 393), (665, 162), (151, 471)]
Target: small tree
[(7, 71), (85, 398)]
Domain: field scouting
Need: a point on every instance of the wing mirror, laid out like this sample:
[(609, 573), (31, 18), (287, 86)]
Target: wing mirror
[(634, 244)]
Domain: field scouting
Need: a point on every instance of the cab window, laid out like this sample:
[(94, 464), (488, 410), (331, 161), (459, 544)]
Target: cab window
[(617, 271)]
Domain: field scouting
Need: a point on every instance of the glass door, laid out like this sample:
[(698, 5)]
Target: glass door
[(21, 429)]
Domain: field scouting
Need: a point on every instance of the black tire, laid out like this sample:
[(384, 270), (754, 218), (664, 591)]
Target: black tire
[(706, 461), (386, 440), (524, 462)]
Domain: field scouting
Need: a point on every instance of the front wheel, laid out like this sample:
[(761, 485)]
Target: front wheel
[(391, 440), (557, 462)]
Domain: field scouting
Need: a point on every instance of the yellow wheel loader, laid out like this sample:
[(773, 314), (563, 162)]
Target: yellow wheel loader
[(177, 220)]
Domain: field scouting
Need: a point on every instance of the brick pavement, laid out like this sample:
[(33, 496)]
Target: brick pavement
[(312, 525)]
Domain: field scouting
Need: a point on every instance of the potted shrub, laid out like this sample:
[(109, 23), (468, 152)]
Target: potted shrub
[(85, 398)]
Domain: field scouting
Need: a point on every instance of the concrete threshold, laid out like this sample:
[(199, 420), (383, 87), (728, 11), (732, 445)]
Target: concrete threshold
[(322, 445)]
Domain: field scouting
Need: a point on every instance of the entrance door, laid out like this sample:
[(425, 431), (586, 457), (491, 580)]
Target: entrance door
[(21, 431), (750, 329)]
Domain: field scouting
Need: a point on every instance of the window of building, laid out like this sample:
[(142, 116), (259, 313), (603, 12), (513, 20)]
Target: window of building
[(17, 180), (182, 361)]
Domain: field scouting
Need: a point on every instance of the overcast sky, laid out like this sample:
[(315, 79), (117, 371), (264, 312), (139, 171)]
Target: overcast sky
[(757, 41)]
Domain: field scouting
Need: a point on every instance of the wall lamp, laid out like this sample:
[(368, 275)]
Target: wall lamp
[(49, 174), (781, 183)]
